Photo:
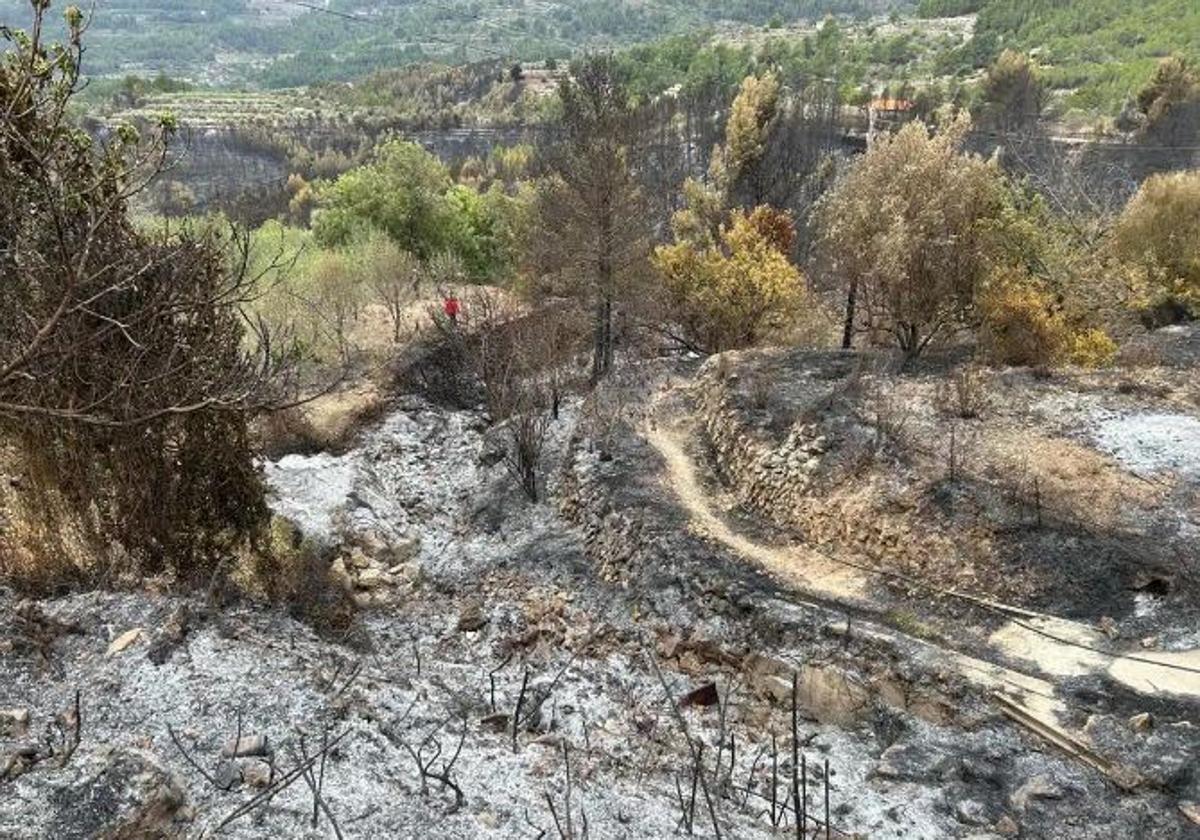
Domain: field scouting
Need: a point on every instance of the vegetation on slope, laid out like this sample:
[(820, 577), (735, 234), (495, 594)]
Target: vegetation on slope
[(1097, 51), (284, 43)]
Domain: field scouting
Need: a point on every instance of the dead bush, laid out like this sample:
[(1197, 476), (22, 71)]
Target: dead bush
[(129, 368), (527, 439), (288, 431), (887, 414), (964, 393), (759, 390), (45, 543), (521, 362)]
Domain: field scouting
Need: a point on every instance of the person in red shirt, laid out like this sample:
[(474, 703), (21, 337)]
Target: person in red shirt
[(451, 308)]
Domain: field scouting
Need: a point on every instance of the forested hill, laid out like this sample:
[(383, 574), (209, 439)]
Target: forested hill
[(1099, 50), (292, 42)]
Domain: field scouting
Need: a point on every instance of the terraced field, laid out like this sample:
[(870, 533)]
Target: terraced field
[(200, 110)]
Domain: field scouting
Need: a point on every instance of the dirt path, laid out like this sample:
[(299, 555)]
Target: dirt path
[(1053, 647)]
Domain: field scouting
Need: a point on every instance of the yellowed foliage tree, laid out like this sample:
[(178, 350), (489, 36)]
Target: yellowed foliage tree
[(732, 292), (1024, 323), (750, 116), (1157, 240)]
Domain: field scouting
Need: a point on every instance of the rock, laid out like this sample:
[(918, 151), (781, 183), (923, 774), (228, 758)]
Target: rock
[(972, 812), (772, 686), (13, 722), (912, 762), (372, 578), (831, 696), (668, 645), (1191, 811), (705, 695), (17, 761), (8, 767), (123, 641), (174, 630), (130, 795), (337, 571), (471, 618), (1038, 787), (1141, 722), (1150, 642), (247, 745), (256, 774), (227, 775), (358, 559), (1006, 826)]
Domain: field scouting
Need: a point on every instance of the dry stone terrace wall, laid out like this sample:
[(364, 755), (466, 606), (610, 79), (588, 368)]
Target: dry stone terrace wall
[(794, 481), (613, 539)]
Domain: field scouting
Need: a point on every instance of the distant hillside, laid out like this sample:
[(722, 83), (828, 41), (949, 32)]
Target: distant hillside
[(1098, 50), (291, 42)]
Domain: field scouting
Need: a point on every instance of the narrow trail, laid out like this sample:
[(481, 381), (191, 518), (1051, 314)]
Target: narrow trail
[(1054, 647)]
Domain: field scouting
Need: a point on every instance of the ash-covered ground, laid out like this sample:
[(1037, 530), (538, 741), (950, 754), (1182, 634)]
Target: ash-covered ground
[(624, 644)]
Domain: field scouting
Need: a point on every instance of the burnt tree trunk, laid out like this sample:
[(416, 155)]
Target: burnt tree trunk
[(848, 328)]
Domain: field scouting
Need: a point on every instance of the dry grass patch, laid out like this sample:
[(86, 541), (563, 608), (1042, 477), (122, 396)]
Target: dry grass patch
[(44, 544), (1074, 482)]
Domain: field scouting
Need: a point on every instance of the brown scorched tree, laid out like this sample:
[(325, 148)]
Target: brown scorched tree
[(127, 372)]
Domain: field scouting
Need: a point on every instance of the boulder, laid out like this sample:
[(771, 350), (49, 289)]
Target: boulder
[(13, 722)]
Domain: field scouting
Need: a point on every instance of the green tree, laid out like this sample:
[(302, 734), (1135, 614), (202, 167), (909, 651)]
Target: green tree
[(1012, 95), (402, 191), (754, 109)]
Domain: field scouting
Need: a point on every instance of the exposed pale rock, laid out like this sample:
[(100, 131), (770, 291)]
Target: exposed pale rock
[(122, 642), (247, 745), (1141, 722), (14, 722), (1038, 787)]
